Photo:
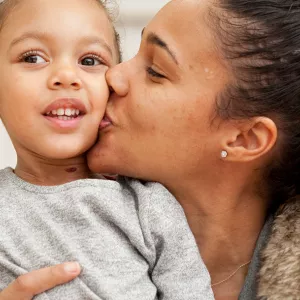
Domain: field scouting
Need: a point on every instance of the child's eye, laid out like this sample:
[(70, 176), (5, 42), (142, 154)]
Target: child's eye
[(32, 58), (153, 73), (91, 60)]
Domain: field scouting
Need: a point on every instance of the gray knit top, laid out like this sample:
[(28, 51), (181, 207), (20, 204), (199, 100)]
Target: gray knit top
[(131, 239)]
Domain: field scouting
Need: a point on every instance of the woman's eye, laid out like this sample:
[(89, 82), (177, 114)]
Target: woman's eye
[(153, 73), (91, 61), (33, 59)]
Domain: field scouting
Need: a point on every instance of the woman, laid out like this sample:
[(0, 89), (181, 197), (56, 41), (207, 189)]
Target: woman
[(210, 108)]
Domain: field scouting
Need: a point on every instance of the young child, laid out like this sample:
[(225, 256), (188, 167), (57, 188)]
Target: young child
[(131, 239)]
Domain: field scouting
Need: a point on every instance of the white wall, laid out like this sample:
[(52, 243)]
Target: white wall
[(7, 152), (133, 16)]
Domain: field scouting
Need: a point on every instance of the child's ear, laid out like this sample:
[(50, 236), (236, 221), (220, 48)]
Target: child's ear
[(251, 139)]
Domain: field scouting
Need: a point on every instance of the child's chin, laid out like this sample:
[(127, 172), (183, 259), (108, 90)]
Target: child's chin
[(61, 153), (65, 148)]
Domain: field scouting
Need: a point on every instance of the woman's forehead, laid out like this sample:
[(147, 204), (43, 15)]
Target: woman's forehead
[(184, 26), (182, 7)]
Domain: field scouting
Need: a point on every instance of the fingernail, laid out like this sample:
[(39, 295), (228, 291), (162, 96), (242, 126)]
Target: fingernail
[(72, 267)]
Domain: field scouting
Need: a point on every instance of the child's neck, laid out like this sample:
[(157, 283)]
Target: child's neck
[(40, 171)]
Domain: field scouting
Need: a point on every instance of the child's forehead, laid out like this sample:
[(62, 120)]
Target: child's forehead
[(72, 21), (60, 17), (37, 8)]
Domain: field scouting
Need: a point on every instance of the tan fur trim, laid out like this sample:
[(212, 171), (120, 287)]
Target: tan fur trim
[(280, 271)]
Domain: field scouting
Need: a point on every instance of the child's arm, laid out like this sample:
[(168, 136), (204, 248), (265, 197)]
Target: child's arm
[(179, 272)]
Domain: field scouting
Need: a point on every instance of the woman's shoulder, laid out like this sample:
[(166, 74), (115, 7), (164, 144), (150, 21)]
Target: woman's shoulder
[(279, 275)]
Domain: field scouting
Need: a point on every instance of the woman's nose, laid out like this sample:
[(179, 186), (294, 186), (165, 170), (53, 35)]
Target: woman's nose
[(65, 77), (117, 81)]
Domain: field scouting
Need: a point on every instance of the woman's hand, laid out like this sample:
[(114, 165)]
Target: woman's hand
[(27, 286)]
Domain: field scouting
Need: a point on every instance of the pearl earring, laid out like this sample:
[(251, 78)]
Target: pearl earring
[(224, 154)]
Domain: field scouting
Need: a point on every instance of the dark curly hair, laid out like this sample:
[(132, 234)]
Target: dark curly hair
[(260, 40)]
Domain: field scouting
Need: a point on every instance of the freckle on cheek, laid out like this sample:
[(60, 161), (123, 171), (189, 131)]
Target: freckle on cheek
[(209, 74)]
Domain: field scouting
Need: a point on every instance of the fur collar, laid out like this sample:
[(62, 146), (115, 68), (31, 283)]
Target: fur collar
[(279, 276)]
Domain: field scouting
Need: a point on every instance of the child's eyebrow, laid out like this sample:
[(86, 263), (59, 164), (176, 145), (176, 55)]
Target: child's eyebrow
[(96, 40), (27, 35), (44, 36)]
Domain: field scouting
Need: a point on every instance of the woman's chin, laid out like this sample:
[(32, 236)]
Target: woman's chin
[(100, 160)]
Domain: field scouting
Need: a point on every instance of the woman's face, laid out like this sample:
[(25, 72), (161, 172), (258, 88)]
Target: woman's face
[(158, 123)]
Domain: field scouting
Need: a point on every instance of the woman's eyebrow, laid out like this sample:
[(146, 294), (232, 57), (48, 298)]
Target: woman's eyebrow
[(154, 39)]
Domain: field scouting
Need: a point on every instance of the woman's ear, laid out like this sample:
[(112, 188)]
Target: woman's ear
[(250, 139)]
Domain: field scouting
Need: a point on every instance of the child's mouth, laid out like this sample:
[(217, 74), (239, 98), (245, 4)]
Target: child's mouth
[(64, 114)]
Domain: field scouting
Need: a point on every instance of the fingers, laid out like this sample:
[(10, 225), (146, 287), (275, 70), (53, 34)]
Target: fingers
[(27, 286)]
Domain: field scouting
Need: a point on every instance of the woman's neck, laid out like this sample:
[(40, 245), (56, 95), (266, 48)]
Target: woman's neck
[(226, 220), (48, 172)]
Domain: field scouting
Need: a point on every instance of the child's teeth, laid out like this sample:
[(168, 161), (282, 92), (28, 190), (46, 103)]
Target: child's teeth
[(68, 112), (60, 112), (65, 114)]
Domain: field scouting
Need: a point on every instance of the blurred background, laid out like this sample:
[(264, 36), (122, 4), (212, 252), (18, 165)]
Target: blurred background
[(131, 17)]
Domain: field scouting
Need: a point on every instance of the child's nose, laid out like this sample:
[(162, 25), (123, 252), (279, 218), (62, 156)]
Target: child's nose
[(65, 77)]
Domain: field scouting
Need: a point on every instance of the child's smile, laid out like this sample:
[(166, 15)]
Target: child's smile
[(65, 113)]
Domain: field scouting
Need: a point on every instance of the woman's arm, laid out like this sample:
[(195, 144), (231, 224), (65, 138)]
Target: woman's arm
[(27, 286)]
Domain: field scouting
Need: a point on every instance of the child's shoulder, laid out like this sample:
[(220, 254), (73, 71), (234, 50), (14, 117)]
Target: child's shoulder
[(152, 192), (141, 187), (6, 178)]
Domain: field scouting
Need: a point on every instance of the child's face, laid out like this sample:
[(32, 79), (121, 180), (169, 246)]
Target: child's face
[(53, 59)]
